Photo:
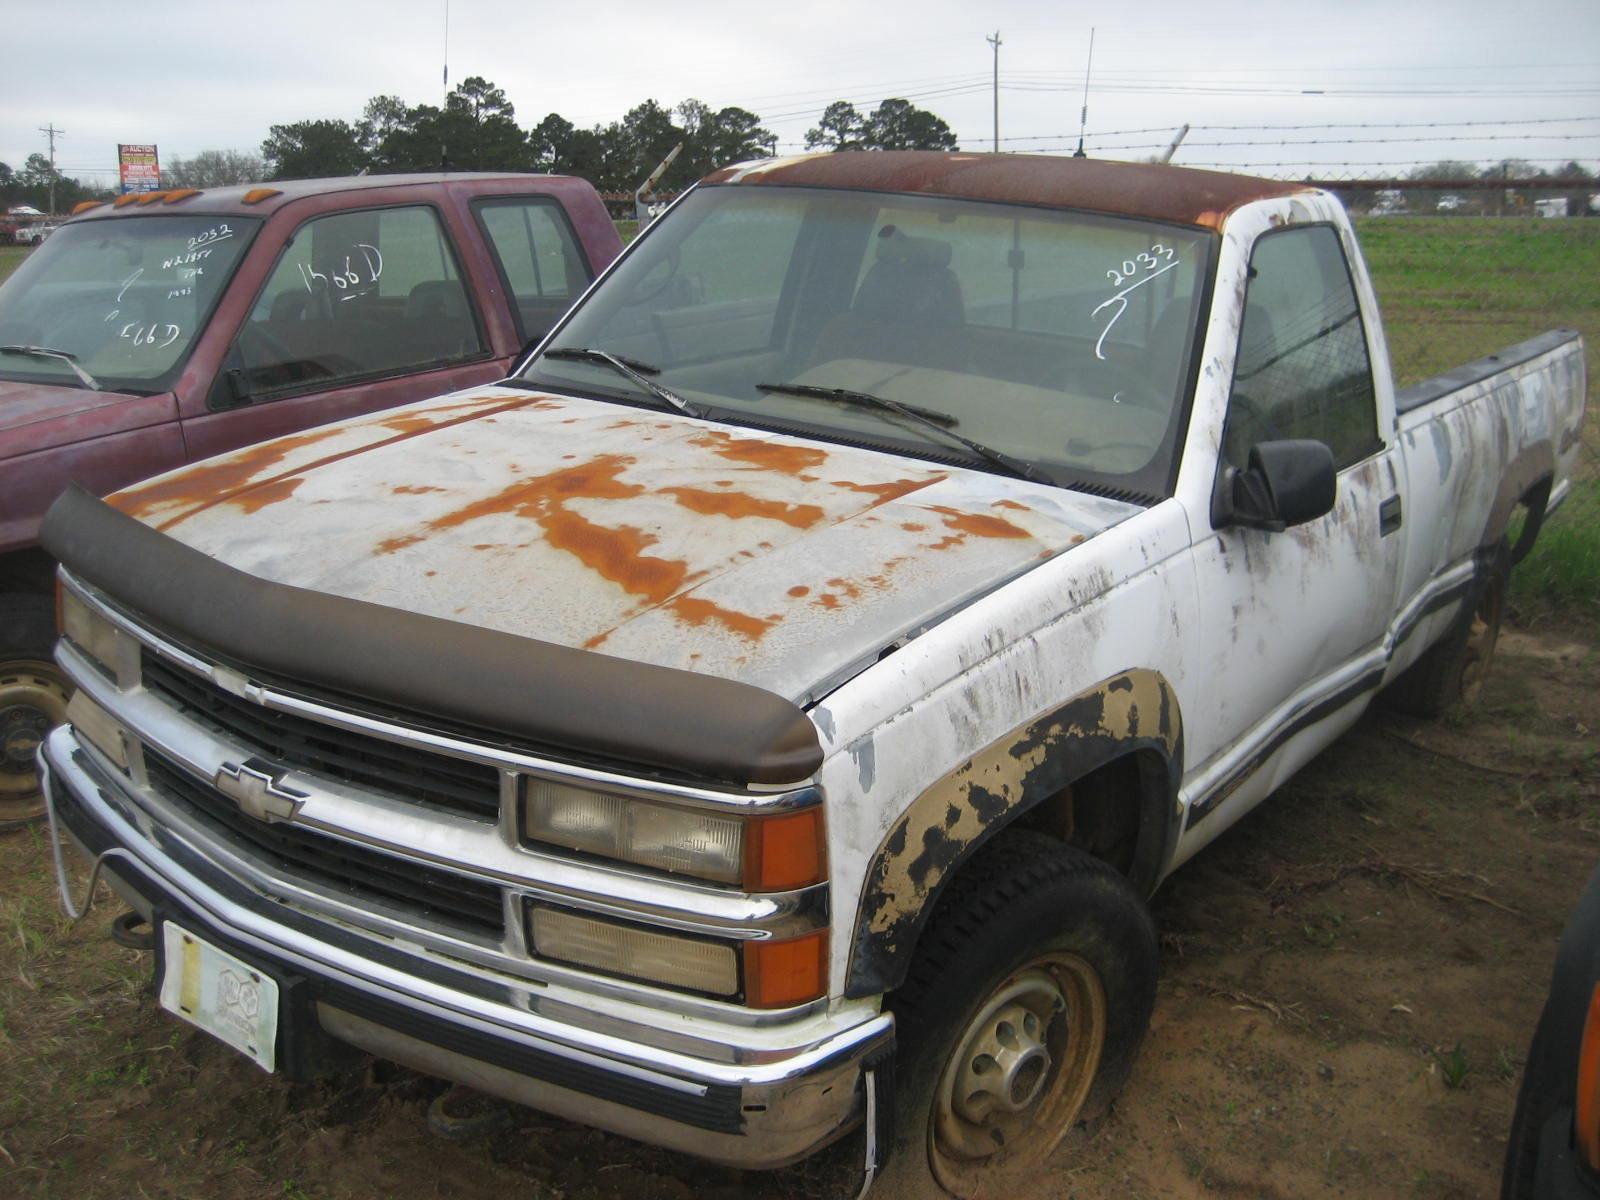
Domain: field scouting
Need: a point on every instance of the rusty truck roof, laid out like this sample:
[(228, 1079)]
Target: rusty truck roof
[(1156, 192), (260, 199)]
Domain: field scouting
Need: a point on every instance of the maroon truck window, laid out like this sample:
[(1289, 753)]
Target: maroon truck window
[(539, 259), (355, 295)]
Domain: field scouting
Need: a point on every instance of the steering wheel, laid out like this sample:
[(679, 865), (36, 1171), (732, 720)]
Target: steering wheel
[(644, 289)]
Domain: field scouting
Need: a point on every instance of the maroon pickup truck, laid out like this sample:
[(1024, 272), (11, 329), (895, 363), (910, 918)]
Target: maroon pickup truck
[(171, 327)]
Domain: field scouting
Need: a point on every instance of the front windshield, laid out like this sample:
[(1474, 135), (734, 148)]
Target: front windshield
[(1060, 339), (126, 297)]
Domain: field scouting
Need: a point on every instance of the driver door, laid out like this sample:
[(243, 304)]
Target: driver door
[(1293, 619)]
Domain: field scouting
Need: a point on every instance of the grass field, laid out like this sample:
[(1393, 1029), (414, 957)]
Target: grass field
[(11, 258)]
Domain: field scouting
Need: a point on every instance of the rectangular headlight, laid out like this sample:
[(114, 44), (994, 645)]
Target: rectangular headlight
[(89, 632), (674, 960), (762, 852)]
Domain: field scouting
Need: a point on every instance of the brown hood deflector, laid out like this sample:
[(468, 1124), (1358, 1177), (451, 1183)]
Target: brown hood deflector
[(570, 702)]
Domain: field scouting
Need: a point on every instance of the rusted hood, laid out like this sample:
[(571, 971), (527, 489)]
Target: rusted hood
[(761, 558), (41, 416)]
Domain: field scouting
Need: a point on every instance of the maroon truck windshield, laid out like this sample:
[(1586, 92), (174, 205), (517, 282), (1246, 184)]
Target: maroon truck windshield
[(126, 298)]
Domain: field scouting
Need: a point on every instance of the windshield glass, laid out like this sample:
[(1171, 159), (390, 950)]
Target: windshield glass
[(127, 298), (1057, 338)]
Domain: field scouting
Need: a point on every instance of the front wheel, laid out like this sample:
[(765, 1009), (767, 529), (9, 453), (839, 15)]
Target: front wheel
[(1020, 1017), (33, 700)]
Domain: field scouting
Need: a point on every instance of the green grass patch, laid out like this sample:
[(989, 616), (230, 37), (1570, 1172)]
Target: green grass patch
[(1452, 289), (627, 230), (11, 258), (1563, 569)]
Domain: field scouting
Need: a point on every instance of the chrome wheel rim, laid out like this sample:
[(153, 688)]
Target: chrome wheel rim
[(33, 701), (1021, 1070)]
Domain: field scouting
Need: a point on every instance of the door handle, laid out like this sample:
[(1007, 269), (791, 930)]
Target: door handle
[(1389, 516)]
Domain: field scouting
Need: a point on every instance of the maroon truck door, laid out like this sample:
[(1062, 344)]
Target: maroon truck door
[(365, 308)]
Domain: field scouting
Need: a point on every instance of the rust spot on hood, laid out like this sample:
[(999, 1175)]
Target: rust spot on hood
[(415, 489), (979, 525), (765, 455), (211, 482), (616, 554), (219, 480), (893, 490), (737, 504), (1012, 504), (697, 612)]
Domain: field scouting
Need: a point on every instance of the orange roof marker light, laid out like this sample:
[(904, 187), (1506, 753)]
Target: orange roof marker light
[(125, 199), (257, 195), (151, 198), (83, 206), (178, 194)]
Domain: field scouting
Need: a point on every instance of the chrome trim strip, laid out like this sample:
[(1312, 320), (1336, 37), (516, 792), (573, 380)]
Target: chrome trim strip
[(795, 1043), (285, 702), (461, 844)]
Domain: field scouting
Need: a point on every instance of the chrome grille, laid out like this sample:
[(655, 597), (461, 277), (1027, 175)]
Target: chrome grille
[(402, 772), (358, 872)]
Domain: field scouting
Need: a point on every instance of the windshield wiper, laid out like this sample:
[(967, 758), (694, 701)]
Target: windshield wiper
[(45, 352), (938, 422), (636, 371)]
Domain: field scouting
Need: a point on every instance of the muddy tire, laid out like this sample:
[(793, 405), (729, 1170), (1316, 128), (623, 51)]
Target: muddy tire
[(33, 700), (1019, 1020), (1452, 671)]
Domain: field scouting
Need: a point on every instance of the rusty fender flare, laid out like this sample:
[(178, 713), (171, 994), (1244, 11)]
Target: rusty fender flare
[(1134, 712)]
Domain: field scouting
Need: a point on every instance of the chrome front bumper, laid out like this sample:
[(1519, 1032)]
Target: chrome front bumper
[(747, 1096)]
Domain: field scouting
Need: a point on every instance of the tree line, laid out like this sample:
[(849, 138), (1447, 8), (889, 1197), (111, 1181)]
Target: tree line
[(477, 130)]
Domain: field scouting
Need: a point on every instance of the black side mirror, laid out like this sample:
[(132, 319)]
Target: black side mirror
[(1286, 483)]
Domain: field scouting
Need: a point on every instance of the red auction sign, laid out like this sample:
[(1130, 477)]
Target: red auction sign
[(140, 170)]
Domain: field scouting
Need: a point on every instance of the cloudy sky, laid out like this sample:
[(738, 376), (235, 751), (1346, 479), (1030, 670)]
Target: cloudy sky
[(1431, 78)]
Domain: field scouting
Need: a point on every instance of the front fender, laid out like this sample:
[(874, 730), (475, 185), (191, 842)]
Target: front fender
[(1132, 713)]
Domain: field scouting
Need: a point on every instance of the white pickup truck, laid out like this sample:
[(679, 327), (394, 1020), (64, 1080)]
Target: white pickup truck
[(762, 718)]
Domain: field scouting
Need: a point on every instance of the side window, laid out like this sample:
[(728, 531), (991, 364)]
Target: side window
[(354, 295), (1302, 369), (539, 258)]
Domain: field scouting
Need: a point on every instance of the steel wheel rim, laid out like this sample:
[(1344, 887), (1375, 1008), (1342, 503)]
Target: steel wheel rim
[(1011, 1094), (33, 700)]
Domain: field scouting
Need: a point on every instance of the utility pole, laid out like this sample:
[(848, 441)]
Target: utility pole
[(995, 42), (53, 133)]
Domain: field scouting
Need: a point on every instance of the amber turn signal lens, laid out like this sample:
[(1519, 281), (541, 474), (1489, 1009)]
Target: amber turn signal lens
[(257, 195), (783, 974), (1586, 1114), (784, 852)]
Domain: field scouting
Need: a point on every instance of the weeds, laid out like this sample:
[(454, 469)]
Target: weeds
[(1563, 569), (1453, 1067)]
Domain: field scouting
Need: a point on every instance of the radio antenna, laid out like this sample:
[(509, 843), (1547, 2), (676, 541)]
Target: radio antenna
[(1083, 115)]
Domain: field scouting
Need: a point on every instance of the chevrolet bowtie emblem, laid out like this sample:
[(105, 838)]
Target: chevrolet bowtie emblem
[(256, 787)]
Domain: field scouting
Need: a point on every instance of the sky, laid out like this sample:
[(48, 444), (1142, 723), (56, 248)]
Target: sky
[(1376, 86)]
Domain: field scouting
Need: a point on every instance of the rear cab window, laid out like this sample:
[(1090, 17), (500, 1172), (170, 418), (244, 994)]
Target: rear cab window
[(355, 295), (538, 257)]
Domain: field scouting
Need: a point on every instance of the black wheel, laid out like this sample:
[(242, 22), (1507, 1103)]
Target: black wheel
[(1452, 671), (1020, 1017), (1537, 1100), (33, 700)]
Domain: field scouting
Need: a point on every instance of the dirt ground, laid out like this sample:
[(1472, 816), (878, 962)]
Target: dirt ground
[(1351, 976)]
